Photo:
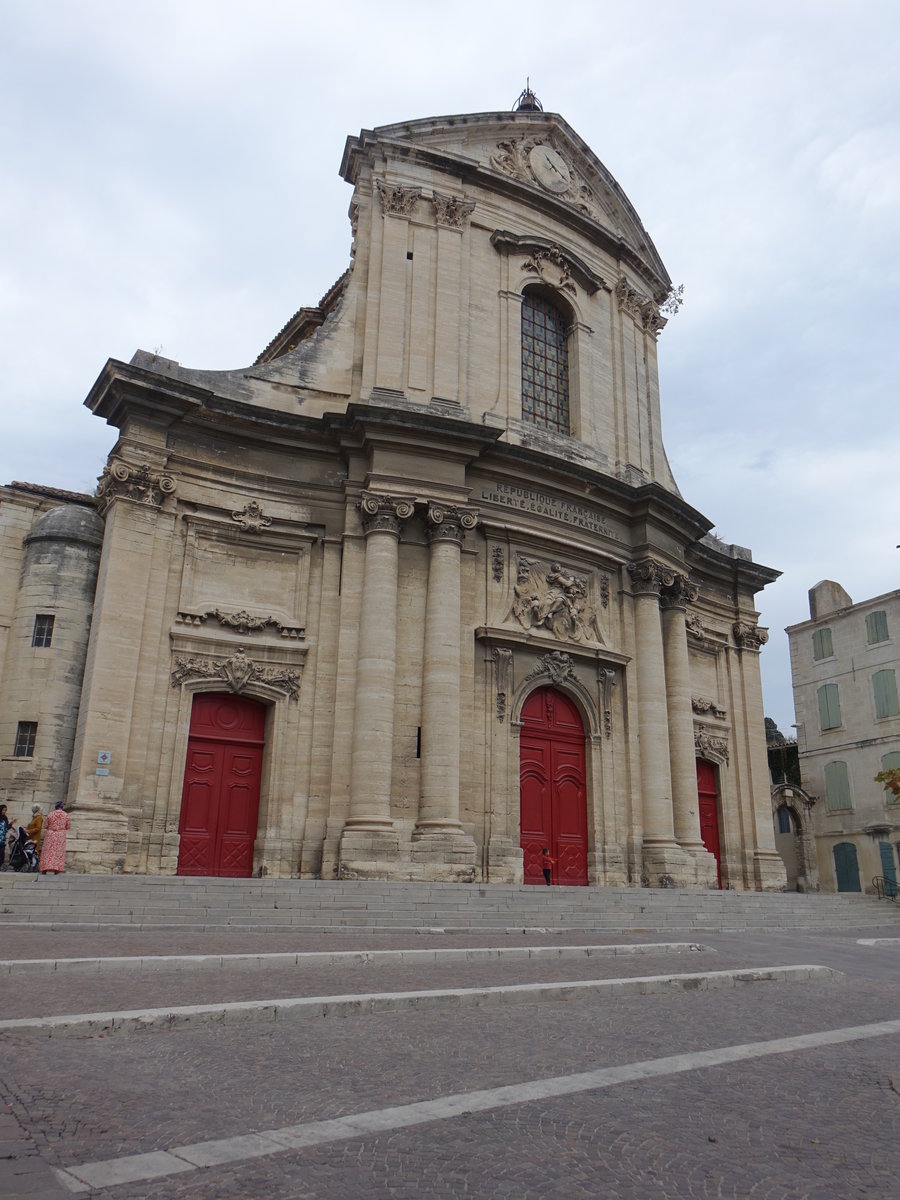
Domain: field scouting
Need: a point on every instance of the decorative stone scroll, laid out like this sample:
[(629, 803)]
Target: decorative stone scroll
[(452, 211), (449, 523), (679, 593), (700, 704), (749, 637), (557, 665), (650, 575), (606, 677), (710, 745), (384, 514), (236, 672), (126, 481), (397, 201), (251, 517), (503, 664), (554, 598), (644, 310), (552, 267)]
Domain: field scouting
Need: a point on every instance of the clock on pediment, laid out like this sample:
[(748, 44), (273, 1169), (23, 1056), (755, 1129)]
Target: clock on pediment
[(550, 169)]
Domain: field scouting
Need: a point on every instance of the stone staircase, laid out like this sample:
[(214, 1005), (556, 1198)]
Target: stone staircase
[(160, 902)]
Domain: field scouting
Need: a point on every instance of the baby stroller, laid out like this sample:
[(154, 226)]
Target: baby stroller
[(23, 853)]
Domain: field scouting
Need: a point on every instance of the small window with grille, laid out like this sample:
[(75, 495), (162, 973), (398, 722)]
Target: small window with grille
[(26, 734), (545, 364), (43, 630)]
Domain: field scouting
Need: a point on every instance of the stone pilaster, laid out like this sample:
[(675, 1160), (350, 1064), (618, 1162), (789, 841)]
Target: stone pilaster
[(369, 842), (682, 756), (440, 846)]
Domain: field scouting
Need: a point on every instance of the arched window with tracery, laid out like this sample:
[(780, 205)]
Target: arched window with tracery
[(545, 363)]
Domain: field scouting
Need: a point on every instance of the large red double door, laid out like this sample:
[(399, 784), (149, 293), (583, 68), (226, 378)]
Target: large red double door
[(220, 800), (552, 788), (708, 802)]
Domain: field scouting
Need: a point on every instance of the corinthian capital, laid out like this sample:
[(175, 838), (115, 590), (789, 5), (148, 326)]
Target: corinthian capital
[(449, 523), (384, 514), (650, 576), (679, 593)]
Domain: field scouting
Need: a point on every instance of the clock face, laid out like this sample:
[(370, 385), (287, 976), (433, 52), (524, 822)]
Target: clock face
[(550, 169)]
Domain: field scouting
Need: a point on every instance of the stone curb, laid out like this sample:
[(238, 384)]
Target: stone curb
[(337, 958), (315, 1007)]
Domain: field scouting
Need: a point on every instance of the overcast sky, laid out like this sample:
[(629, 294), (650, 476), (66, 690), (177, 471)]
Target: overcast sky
[(169, 181)]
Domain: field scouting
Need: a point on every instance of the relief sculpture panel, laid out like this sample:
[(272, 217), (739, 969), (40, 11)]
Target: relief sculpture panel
[(551, 598)]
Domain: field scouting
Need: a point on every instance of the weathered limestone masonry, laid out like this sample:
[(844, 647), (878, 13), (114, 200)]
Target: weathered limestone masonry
[(416, 595)]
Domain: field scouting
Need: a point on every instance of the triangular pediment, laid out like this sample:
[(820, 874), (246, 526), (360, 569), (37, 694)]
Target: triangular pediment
[(540, 152)]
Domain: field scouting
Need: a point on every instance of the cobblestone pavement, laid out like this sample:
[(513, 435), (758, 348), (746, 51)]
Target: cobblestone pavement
[(812, 1125)]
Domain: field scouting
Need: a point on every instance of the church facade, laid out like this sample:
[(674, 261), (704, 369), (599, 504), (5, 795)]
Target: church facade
[(415, 595)]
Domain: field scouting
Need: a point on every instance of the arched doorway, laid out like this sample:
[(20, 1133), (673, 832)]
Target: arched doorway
[(846, 867), (552, 788), (220, 799), (708, 803)]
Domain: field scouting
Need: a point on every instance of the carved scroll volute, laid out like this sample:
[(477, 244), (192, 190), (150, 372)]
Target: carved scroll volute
[(749, 637), (448, 523), (679, 593), (384, 514), (649, 576), (126, 481)]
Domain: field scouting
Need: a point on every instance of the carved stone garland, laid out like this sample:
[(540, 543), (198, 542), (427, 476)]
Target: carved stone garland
[(497, 563), (236, 672), (126, 481), (606, 677), (503, 662)]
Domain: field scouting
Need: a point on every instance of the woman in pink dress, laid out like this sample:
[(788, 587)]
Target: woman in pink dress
[(53, 850)]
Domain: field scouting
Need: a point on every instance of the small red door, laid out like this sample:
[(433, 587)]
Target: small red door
[(220, 800), (552, 788), (708, 798)]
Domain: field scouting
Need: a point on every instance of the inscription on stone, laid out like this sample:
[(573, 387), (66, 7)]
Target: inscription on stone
[(528, 500)]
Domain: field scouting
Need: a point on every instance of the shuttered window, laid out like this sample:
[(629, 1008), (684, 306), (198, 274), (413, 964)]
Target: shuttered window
[(837, 787), (829, 706), (885, 685), (876, 627), (822, 647)]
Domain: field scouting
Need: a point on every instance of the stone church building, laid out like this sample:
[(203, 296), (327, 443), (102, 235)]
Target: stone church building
[(414, 595)]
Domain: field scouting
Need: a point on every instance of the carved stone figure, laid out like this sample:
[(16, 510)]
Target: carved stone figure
[(555, 664), (555, 599)]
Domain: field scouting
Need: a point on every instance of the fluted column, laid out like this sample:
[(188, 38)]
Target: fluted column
[(682, 752), (647, 579), (373, 718), (439, 837)]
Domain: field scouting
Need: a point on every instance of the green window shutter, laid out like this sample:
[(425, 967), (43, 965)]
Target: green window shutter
[(837, 787), (822, 647), (885, 685), (829, 706), (891, 761), (876, 627)]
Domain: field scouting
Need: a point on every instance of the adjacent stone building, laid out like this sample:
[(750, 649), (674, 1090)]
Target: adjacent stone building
[(844, 664), (415, 595)]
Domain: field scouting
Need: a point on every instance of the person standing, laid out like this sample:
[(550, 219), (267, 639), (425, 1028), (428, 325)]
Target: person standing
[(53, 854), (546, 864), (4, 829), (35, 827)]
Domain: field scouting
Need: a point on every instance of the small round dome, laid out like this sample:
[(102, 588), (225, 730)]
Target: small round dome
[(69, 523)]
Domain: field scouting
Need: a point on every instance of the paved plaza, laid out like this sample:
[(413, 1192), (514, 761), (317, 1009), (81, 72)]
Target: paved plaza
[(774, 1086)]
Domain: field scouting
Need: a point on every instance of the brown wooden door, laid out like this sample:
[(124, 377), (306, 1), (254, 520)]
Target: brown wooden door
[(220, 799), (708, 800), (552, 788)]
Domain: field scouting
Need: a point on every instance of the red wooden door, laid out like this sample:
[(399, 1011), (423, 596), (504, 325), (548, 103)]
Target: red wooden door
[(220, 799), (552, 788), (708, 799)]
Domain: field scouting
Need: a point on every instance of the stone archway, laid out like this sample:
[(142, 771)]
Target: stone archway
[(796, 845)]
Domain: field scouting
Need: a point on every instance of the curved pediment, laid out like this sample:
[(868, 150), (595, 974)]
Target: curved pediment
[(538, 152)]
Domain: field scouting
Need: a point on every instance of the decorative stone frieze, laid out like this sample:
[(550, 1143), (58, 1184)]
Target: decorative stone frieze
[(251, 517), (749, 637), (644, 309), (711, 746), (557, 665), (650, 575), (452, 211), (126, 481), (701, 704), (551, 597), (397, 201), (449, 523), (241, 622), (552, 267), (679, 593), (236, 672), (384, 514)]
